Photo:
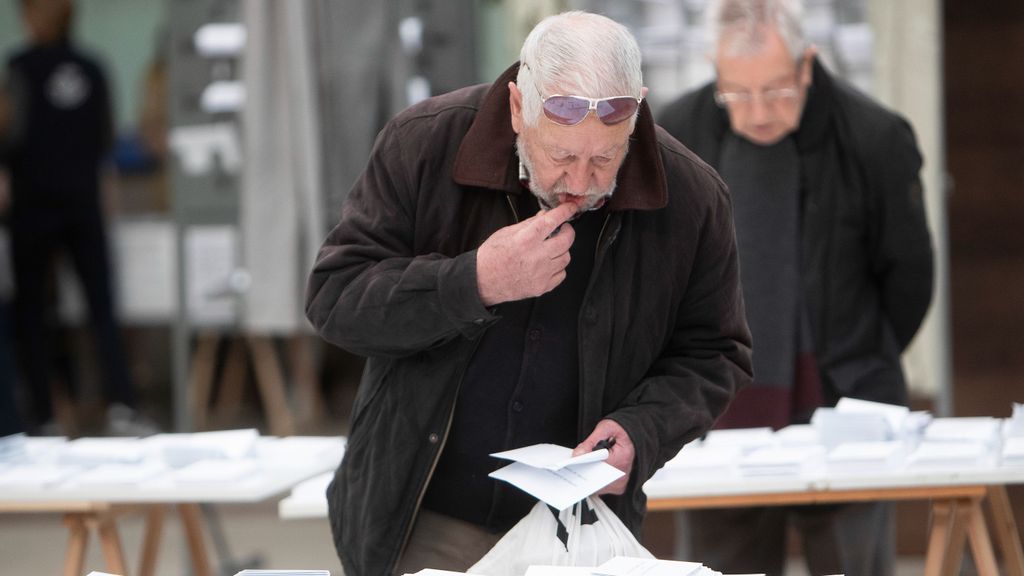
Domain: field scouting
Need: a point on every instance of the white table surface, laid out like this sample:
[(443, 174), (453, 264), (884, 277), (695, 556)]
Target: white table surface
[(275, 471), (307, 499)]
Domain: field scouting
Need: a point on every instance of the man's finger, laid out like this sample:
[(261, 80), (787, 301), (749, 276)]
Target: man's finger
[(549, 221)]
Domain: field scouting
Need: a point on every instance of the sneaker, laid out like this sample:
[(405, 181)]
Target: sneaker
[(125, 421)]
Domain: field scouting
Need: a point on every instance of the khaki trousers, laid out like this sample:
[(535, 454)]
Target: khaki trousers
[(444, 543)]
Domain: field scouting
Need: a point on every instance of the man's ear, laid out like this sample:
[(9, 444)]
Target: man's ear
[(807, 65), (515, 105)]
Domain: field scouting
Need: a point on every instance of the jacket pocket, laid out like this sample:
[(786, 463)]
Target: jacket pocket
[(375, 377)]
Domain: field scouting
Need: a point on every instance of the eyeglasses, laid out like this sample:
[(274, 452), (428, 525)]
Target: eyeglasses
[(769, 97), (571, 110)]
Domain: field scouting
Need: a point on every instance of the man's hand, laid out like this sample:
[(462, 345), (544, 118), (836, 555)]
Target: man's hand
[(526, 259), (620, 455)]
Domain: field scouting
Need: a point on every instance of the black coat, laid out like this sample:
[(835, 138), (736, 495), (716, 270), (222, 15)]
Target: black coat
[(866, 271), (663, 340)]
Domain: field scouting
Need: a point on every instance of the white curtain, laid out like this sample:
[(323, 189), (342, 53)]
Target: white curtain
[(281, 196), (908, 78)]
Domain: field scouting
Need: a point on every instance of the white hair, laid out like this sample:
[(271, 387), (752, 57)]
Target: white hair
[(739, 26), (577, 53)]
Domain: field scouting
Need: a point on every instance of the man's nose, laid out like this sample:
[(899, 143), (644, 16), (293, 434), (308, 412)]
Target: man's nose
[(758, 109), (577, 178)]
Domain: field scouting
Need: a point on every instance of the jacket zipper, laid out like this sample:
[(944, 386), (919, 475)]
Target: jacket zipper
[(448, 425), (579, 325)]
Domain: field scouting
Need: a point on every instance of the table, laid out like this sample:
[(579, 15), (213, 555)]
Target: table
[(956, 501), (96, 508), (956, 497)]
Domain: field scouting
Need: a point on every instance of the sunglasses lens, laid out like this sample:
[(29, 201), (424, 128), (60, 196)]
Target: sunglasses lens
[(566, 110), (615, 110)]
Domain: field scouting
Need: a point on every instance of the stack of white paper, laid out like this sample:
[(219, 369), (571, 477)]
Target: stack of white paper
[(894, 414), (180, 450), (837, 427), (119, 474), (782, 461), (855, 457), (214, 471), (949, 455), (915, 424), (36, 474), (798, 435), (302, 448), (1014, 425), (95, 451), (701, 462), (251, 572), (1013, 451), (625, 566), (12, 448), (983, 430), (747, 439)]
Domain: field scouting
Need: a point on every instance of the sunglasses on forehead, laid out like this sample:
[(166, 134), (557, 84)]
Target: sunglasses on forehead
[(571, 110)]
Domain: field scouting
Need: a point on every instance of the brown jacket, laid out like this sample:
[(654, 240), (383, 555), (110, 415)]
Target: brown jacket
[(663, 340)]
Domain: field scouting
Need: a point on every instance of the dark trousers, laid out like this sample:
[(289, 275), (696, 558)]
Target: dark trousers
[(37, 237), (850, 539), (10, 419)]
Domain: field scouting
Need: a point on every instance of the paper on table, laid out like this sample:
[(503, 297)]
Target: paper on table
[(251, 572), (893, 413), (559, 488), (746, 438), (215, 471), (625, 566), (550, 456), (434, 572), (92, 451), (537, 570), (36, 474), (119, 474)]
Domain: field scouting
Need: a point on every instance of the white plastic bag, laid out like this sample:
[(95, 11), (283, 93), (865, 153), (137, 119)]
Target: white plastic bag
[(585, 534)]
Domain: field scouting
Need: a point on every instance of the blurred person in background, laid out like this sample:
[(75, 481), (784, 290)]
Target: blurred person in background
[(55, 144), (10, 417), (836, 264)]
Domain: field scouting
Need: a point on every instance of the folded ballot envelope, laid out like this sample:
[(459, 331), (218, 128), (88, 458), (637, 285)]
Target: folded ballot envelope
[(551, 474)]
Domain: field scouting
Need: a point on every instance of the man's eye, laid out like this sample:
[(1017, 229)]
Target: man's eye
[(563, 159), (600, 160)]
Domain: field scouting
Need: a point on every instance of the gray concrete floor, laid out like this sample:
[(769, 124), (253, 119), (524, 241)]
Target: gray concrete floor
[(32, 544)]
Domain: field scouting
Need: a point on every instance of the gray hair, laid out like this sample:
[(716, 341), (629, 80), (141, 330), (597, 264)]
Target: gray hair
[(577, 53), (741, 24)]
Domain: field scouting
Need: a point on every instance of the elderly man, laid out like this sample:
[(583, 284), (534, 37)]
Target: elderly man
[(836, 260), (522, 262)]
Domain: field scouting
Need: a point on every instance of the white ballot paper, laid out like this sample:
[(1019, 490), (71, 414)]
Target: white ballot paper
[(625, 566), (550, 456), (550, 473)]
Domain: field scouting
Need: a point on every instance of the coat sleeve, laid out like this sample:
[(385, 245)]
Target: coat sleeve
[(707, 359), (369, 293), (901, 250)]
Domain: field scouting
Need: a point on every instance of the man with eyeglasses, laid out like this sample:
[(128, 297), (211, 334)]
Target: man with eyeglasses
[(523, 262), (835, 257)]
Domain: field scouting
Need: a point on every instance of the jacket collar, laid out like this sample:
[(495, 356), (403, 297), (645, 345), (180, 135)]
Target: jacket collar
[(487, 156), (814, 122)]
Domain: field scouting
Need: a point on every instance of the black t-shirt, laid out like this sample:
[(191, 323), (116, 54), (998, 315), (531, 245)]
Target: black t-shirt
[(521, 388), (62, 127)]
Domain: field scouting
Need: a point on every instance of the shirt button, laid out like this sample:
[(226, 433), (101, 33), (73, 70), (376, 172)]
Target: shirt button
[(534, 335), (517, 406), (433, 438), (478, 321)]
